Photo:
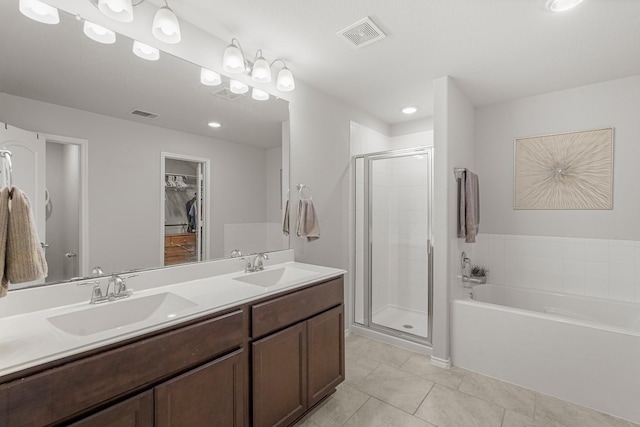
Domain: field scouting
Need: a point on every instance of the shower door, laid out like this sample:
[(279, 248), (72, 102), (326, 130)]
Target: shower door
[(393, 242)]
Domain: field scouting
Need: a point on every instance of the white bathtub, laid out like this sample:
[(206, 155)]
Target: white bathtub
[(583, 350)]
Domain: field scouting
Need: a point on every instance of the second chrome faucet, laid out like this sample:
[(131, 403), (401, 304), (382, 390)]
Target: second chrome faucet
[(256, 264)]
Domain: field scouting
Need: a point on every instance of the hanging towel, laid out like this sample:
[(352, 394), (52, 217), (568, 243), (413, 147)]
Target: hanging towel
[(468, 206), (25, 260), (307, 225), (285, 221), (4, 226)]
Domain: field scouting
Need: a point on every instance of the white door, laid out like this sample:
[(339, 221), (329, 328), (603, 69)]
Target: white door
[(29, 174)]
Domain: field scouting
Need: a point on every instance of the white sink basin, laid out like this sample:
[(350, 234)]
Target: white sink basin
[(276, 276), (116, 314)]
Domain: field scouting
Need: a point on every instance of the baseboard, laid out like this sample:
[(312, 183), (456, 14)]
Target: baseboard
[(441, 363)]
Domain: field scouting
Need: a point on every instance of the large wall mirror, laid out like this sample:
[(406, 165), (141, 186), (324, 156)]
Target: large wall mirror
[(112, 184)]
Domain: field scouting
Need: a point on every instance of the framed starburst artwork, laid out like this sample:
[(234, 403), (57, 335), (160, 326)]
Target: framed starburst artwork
[(571, 170)]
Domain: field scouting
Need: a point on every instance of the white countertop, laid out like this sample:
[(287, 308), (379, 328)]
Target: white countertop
[(29, 339)]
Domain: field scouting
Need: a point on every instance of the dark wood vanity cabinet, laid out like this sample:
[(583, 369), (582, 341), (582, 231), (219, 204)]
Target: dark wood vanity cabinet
[(297, 367), (262, 364)]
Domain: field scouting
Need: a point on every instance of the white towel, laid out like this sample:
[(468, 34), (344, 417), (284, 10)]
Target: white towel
[(471, 206), (307, 224), (24, 258)]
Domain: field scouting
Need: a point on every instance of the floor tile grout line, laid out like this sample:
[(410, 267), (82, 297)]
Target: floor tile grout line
[(356, 411), (423, 399)]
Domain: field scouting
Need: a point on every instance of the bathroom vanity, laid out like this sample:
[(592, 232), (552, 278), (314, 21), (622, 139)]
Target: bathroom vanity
[(264, 361)]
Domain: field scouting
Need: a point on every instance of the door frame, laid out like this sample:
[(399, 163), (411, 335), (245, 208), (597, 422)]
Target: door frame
[(83, 215), (206, 233)]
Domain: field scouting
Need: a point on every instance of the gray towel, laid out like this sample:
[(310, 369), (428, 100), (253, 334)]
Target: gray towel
[(4, 226), (24, 258), (468, 206), (285, 221), (307, 224)]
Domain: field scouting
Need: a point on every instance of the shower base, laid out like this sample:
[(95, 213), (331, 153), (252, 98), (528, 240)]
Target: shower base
[(403, 320)]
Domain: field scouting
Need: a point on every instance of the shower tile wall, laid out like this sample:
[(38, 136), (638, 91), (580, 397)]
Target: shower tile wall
[(592, 267)]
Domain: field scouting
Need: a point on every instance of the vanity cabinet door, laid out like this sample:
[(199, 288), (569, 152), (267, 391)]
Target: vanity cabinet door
[(279, 377), (212, 395), (325, 349), (134, 412)]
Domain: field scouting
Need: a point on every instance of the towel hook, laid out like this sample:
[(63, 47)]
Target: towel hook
[(301, 188)]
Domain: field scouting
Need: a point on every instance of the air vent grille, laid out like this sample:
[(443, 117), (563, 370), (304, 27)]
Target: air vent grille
[(362, 33), (226, 94), (144, 114)]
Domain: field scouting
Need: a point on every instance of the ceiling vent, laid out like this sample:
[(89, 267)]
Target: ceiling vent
[(144, 114), (362, 33), (226, 94)]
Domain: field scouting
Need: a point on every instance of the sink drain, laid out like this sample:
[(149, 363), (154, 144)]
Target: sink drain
[(407, 326)]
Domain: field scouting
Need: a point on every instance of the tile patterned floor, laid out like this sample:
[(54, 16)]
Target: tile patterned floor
[(387, 386)]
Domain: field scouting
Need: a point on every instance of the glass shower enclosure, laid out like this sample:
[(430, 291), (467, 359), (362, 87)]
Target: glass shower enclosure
[(393, 252)]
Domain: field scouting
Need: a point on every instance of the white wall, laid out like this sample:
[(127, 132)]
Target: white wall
[(124, 179), (453, 147), (608, 104)]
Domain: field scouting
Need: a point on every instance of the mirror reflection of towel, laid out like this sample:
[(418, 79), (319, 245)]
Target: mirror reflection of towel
[(307, 224), (4, 226), (285, 220), (24, 259)]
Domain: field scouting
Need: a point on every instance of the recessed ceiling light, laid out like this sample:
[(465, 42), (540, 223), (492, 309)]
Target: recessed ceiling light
[(214, 124), (409, 110), (562, 5)]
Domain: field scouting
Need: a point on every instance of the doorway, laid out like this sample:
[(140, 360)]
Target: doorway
[(185, 209), (393, 205)]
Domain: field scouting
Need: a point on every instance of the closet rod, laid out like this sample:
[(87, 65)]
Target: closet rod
[(180, 174)]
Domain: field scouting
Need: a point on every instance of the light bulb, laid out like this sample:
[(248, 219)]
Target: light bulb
[(409, 110), (209, 78), (145, 51), (259, 94), (238, 87), (120, 10), (165, 26), (214, 124), (39, 11), (562, 5), (97, 33)]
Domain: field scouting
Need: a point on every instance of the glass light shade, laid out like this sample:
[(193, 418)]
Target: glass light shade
[(238, 87), (145, 51), (259, 94), (120, 10), (97, 33), (409, 110), (285, 81), (165, 26), (209, 78), (261, 72), (562, 5), (39, 11), (233, 61)]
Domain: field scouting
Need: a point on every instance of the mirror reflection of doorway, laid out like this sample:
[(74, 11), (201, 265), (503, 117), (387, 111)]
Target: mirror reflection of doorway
[(184, 209)]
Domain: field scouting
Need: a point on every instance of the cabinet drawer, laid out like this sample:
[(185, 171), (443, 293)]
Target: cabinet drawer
[(286, 310), (71, 389)]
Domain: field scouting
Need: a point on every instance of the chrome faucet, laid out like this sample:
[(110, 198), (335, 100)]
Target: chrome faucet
[(257, 264), (116, 284)]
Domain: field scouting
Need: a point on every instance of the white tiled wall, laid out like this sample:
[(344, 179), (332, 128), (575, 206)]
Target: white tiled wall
[(592, 267)]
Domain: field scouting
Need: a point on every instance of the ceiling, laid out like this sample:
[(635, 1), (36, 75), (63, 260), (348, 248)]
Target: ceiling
[(494, 49)]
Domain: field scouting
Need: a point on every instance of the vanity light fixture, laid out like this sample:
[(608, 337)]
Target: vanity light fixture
[(97, 33), (145, 51), (120, 10), (409, 110), (209, 78), (165, 25), (39, 11), (259, 94), (233, 61), (238, 87), (214, 124), (562, 5)]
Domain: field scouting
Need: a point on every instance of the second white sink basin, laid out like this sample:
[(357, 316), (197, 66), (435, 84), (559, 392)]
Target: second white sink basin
[(116, 314), (276, 276)]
